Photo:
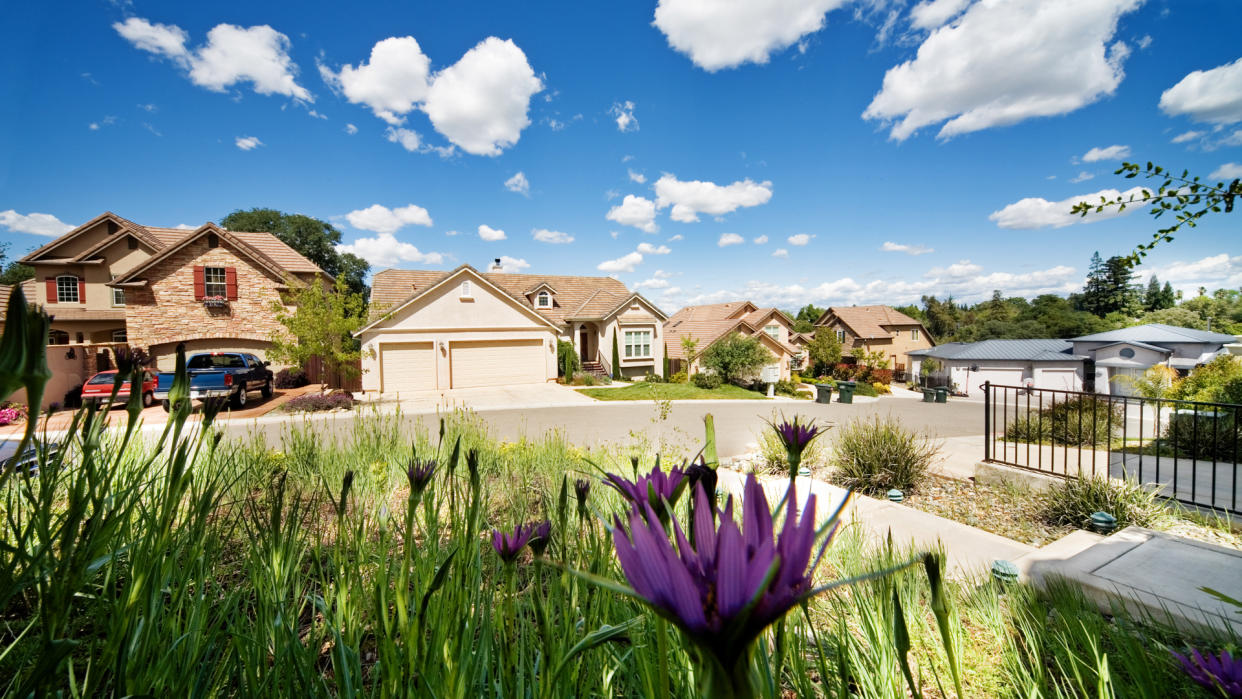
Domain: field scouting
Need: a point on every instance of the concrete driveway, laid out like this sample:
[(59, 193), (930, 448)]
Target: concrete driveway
[(540, 395)]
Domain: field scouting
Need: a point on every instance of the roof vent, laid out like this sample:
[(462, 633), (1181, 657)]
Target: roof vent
[(495, 267)]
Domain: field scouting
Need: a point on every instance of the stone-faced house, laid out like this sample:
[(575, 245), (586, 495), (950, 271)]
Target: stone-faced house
[(708, 324), (434, 330), (113, 282)]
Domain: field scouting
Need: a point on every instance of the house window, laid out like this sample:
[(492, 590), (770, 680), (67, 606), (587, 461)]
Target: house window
[(131, 243), (118, 297), (465, 290), (914, 333), (637, 344), (544, 300), (840, 336), (57, 337), (214, 283), (67, 289), (1126, 353), (119, 336), (773, 331)]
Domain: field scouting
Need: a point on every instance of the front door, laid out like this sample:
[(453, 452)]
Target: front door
[(583, 336)]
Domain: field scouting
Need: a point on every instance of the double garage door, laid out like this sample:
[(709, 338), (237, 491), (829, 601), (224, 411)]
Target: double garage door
[(413, 366)]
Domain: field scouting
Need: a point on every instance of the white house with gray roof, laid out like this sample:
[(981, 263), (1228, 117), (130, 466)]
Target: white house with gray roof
[(1088, 363)]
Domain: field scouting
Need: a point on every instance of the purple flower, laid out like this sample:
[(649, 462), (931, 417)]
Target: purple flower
[(796, 436), (508, 546), (541, 536), (420, 473), (651, 488), (727, 587), (1221, 673), (582, 488)]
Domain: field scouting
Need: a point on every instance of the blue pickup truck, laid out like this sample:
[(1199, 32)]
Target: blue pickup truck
[(220, 375)]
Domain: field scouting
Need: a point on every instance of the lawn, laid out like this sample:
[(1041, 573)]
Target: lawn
[(671, 391)]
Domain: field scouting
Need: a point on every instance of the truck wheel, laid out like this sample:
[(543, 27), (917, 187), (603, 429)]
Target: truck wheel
[(238, 399), (167, 405), (148, 400), (266, 391)]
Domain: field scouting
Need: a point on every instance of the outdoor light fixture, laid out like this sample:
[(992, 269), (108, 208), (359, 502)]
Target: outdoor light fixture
[(1004, 571), (896, 495), (1103, 522), (71, 354)]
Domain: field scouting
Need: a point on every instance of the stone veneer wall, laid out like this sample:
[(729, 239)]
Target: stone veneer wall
[(166, 311)]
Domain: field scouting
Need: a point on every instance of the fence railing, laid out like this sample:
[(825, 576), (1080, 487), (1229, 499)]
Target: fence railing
[(1188, 450)]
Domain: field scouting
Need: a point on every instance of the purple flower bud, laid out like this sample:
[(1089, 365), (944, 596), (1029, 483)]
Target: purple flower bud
[(541, 536), (651, 488), (1221, 673), (508, 546), (420, 474)]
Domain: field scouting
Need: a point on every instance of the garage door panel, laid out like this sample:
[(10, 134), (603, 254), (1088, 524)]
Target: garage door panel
[(407, 366), (1000, 377), (497, 362)]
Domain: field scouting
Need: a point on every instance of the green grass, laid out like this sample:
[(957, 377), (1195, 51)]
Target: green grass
[(671, 391)]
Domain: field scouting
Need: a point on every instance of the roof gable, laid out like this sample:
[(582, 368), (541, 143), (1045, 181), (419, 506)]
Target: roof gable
[(868, 322), (111, 225), (246, 249), (1158, 333)]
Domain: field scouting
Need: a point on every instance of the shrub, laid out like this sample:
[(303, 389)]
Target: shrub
[(1212, 434), (1075, 500), (653, 377), (736, 358), (316, 402), (291, 377), (882, 389), (786, 388), (1081, 421), (884, 376), (567, 361), (705, 380), (679, 377), (862, 388), (12, 413), (875, 454), (1218, 381)]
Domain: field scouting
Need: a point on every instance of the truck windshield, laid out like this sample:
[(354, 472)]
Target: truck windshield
[(216, 361), (102, 378)]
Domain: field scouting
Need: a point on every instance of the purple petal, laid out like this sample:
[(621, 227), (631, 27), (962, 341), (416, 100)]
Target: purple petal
[(704, 526), (730, 570)]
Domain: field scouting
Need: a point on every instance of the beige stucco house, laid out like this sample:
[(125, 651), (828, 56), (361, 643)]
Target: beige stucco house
[(708, 324), (877, 329), (434, 330)]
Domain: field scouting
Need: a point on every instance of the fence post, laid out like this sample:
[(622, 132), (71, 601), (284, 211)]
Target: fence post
[(987, 420)]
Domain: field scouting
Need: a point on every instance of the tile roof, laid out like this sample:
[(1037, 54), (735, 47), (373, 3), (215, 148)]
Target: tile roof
[(710, 322), (868, 322), (1157, 333), (575, 297), (1001, 350)]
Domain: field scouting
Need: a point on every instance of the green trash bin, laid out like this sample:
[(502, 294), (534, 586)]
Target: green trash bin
[(929, 395), (942, 395), (823, 393), (845, 391)]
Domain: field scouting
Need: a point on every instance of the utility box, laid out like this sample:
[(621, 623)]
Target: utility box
[(770, 374)]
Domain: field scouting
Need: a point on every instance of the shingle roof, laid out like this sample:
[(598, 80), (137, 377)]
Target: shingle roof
[(575, 298), (868, 322), (264, 248), (710, 322), (1013, 350), (1157, 333)]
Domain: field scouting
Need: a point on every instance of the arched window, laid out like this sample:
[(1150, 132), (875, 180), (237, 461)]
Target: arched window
[(544, 300), (465, 289), (57, 337), (67, 289)]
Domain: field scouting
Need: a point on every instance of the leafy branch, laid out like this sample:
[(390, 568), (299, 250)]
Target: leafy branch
[(1186, 197)]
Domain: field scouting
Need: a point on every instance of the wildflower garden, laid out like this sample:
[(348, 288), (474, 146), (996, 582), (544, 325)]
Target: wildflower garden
[(447, 564)]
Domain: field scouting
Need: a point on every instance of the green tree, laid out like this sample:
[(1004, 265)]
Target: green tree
[(824, 351), (567, 363), (1156, 298), (666, 363), (1179, 317), (13, 272), (689, 347), (1184, 196), (314, 238), (736, 358), (804, 320), (1218, 381), (1110, 288), (320, 324), (616, 359), (1168, 299)]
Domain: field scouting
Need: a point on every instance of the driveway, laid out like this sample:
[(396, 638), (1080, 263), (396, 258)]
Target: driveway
[(539, 395)]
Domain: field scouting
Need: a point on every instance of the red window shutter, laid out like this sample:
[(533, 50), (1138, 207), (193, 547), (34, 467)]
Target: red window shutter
[(200, 284), (81, 290), (230, 282), (51, 290)]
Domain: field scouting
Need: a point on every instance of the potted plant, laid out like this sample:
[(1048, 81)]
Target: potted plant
[(215, 301)]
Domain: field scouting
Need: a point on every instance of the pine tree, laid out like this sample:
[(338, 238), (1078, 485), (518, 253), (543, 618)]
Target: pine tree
[(1151, 299), (616, 359), (1093, 293), (1168, 298)]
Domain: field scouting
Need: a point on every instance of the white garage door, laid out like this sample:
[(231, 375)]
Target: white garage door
[(1003, 377), (498, 362), (1058, 379), (407, 366)]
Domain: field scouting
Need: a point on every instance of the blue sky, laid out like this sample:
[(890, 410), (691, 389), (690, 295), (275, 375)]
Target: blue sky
[(876, 150)]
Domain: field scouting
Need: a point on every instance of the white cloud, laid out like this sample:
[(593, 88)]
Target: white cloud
[(908, 249), (727, 239), (93, 126), (718, 35), (1108, 153), (513, 264), (381, 219), (625, 263), (518, 183), (1213, 96), (1228, 171), (408, 139), (34, 223), (544, 235), (690, 198), (491, 234), (1004, 62), (351, 129), (481, 102), (638, 212), (386, 251), (1037, 212), (258, 55), (392, 84), (1144, 42), (961, 268), (1082, 177), (649, 249), (624, 113), (761, 240), (1188, 136), (185, 227), (451, 233), (930, 14), (676, 238), (653, 283), (799, 239), (780, 252), (638, 177), (248, 142)]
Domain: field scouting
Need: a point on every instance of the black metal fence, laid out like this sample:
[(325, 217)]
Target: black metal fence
[(1188, 450)]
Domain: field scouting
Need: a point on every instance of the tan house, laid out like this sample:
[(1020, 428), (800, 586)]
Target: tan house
[(876, 329), (113, 282), (707, 324), (435, 330)]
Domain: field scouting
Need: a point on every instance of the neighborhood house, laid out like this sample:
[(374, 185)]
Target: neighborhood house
[(433, 330), (876, 329), (706, 325)]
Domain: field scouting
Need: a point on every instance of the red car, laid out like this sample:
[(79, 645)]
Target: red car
[(100, 387)]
